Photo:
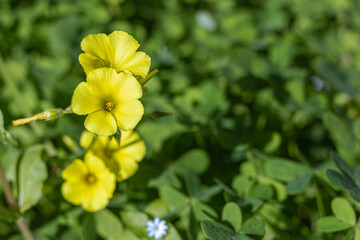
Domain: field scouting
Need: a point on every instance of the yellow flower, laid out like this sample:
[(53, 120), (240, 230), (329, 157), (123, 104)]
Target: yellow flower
[(88, 183), (123, 160), (110, 99), (118, 51)]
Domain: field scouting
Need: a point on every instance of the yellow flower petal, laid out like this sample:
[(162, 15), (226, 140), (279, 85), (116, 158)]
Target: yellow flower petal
[(124, 46), (128, 168), (105, 83), (131, 145), (84, 101), (96, 202), (128, 114), (138, 64), (95, 164), (130, 87), (101, 122), (75, 171), (90, 63), (108, 182), (74, 192), (86, 139), (98, 45)]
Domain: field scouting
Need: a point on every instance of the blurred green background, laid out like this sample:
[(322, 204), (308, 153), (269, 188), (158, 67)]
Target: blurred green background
[(248, 82)]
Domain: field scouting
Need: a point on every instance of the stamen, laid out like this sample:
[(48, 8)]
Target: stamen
[(91, 178), (109, 106)]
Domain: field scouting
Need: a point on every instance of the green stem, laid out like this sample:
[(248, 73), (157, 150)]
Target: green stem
[(143, 81), (20, 222), (320, 203)]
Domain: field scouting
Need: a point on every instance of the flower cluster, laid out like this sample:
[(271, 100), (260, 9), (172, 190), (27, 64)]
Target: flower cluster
[(110, 95), (110, 99)]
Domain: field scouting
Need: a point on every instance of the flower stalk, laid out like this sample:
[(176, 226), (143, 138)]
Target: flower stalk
[(46, 115), (20, 222)]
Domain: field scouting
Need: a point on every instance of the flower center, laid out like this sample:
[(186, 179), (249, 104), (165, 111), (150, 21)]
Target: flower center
[(91, 178), (109, 106)]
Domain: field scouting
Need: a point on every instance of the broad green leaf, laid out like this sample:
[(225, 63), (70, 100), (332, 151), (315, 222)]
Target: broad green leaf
[(242, 184), (298, 184), (284, 170), (172, 196), (342, 165), (108, 225), (135, 221), (157, 207), (253, 226), (332, 224), (32, 174), (216, 231), (343, 210), (232, 213), (196, 160), (261, 191), (172, 233)]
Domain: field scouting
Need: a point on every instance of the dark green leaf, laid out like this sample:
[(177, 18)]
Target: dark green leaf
[(339, 180), (216, 231), (298, 184), (342, 165), (253, 226)]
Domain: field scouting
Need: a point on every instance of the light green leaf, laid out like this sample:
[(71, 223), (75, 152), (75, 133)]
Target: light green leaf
[(332, 224), (172, 233), (157, 207), (232, 213), (343, 210), (32, 173), (283, 169), (108, 225), (197, 160), (135, 222), (242, 184), (172, 196)]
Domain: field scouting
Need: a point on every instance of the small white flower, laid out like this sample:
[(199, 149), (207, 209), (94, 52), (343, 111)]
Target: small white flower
[(156, 228)]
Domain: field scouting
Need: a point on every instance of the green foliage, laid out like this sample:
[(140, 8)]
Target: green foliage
[(264, 138)]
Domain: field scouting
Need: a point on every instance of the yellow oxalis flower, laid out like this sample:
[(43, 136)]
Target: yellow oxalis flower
[(118, 51), (110, 99), (123, 160), (88, 183)]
